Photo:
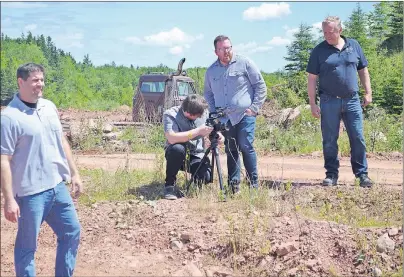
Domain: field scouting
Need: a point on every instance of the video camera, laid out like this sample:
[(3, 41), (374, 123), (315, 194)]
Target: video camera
[(213, 121)]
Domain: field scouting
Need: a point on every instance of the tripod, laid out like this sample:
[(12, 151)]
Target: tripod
[(213, 137)]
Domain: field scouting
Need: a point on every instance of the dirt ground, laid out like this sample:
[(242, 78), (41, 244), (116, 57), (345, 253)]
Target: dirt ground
[(145, 244), (188, 237), (296, 169)]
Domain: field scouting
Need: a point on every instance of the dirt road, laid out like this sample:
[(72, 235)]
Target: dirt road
[(295, 169)]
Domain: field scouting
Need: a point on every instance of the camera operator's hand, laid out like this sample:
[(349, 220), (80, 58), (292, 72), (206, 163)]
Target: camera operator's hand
[(204, 130), (206, 142), (220, 139)]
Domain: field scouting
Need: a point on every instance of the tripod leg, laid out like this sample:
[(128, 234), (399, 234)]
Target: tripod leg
[(197, 170), (219, 171)]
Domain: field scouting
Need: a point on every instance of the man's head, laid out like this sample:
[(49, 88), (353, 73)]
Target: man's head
[(194, 106), (332, 29), (30, 79), (223, 49)]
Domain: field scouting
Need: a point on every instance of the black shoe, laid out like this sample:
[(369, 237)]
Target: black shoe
[(364, 181), (330, 180), (235, 187), (169, 193)]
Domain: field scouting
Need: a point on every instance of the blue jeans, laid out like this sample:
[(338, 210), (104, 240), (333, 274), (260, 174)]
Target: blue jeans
[(334, 109), (55, 206), (241, 137)]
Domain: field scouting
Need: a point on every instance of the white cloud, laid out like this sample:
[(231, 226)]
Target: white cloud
[(22, 5), (278, 41), (251, 48), (266, 11), (30, 27), (72, 40), (170, 38), (175, 39), (317, 25), (134, 40), (176, 50), (291, 31)]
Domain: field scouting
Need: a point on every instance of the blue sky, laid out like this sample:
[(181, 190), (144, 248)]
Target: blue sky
[(150, 33)]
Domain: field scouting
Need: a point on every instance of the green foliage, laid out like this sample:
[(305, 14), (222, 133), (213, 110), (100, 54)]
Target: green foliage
[(386, 77), (356, 28), (82, 85), (299, 51), (383, 133), (395, 20)]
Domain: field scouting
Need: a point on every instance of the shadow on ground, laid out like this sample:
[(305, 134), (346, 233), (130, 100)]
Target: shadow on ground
[(152, 191)]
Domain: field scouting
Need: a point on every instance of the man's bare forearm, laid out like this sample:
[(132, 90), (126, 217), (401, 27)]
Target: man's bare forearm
[(311, 88), (365, 80), (69, 156), (6, 179)]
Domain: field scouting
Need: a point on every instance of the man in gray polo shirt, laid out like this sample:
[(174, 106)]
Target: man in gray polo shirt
[(336, 62), (234, 82), (36, 163), (184, 127)]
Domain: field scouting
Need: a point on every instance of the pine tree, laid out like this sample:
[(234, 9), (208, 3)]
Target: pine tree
[(396, 18), (87, 61), (356, 27), (30, 38), (378, 27), (298, 52)]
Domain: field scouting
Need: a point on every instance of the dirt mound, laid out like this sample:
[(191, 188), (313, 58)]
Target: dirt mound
[(196, 237)]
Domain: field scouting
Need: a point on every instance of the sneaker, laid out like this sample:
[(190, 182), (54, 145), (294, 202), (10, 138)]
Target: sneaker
[(364, 181), (330, 180), (235, 187), (169, 193)]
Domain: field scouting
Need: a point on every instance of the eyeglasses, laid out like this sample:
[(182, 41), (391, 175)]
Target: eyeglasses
[(226, 49)]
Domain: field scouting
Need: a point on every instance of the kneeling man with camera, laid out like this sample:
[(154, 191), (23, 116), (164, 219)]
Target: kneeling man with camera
[(185, 128)]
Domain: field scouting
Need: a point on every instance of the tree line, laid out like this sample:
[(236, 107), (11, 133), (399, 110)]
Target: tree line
[(80, 84)]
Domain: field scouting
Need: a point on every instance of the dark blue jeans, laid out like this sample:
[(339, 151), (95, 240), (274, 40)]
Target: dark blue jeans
[(241, 137), (175, 155), (334, 109), (55, 206)]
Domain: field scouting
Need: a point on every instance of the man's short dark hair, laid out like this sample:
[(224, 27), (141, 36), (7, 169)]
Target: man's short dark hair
[(194, 104), (220, 38), (26, 69)]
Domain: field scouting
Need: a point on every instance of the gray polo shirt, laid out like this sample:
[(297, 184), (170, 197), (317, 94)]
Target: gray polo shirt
[(175, 120), (235, 87), (33, 137)]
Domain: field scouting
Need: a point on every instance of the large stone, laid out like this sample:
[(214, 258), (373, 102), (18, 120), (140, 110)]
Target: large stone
[(385, 244), (285, 248), (176, 245), (393, 232), (107, 128), (185, 238), (377, 272)]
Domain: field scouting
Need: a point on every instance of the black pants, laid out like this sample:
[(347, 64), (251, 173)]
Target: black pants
[(175, 156)]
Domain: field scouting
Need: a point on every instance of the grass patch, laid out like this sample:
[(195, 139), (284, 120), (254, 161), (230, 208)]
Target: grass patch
[(101, 185), (355, 206), (383, 133), (148, 139)]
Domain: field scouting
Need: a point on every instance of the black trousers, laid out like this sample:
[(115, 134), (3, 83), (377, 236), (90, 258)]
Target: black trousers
[(175, 157)]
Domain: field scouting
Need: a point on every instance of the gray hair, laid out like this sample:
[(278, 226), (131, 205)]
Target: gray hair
[(25, 70), (333, 19)]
